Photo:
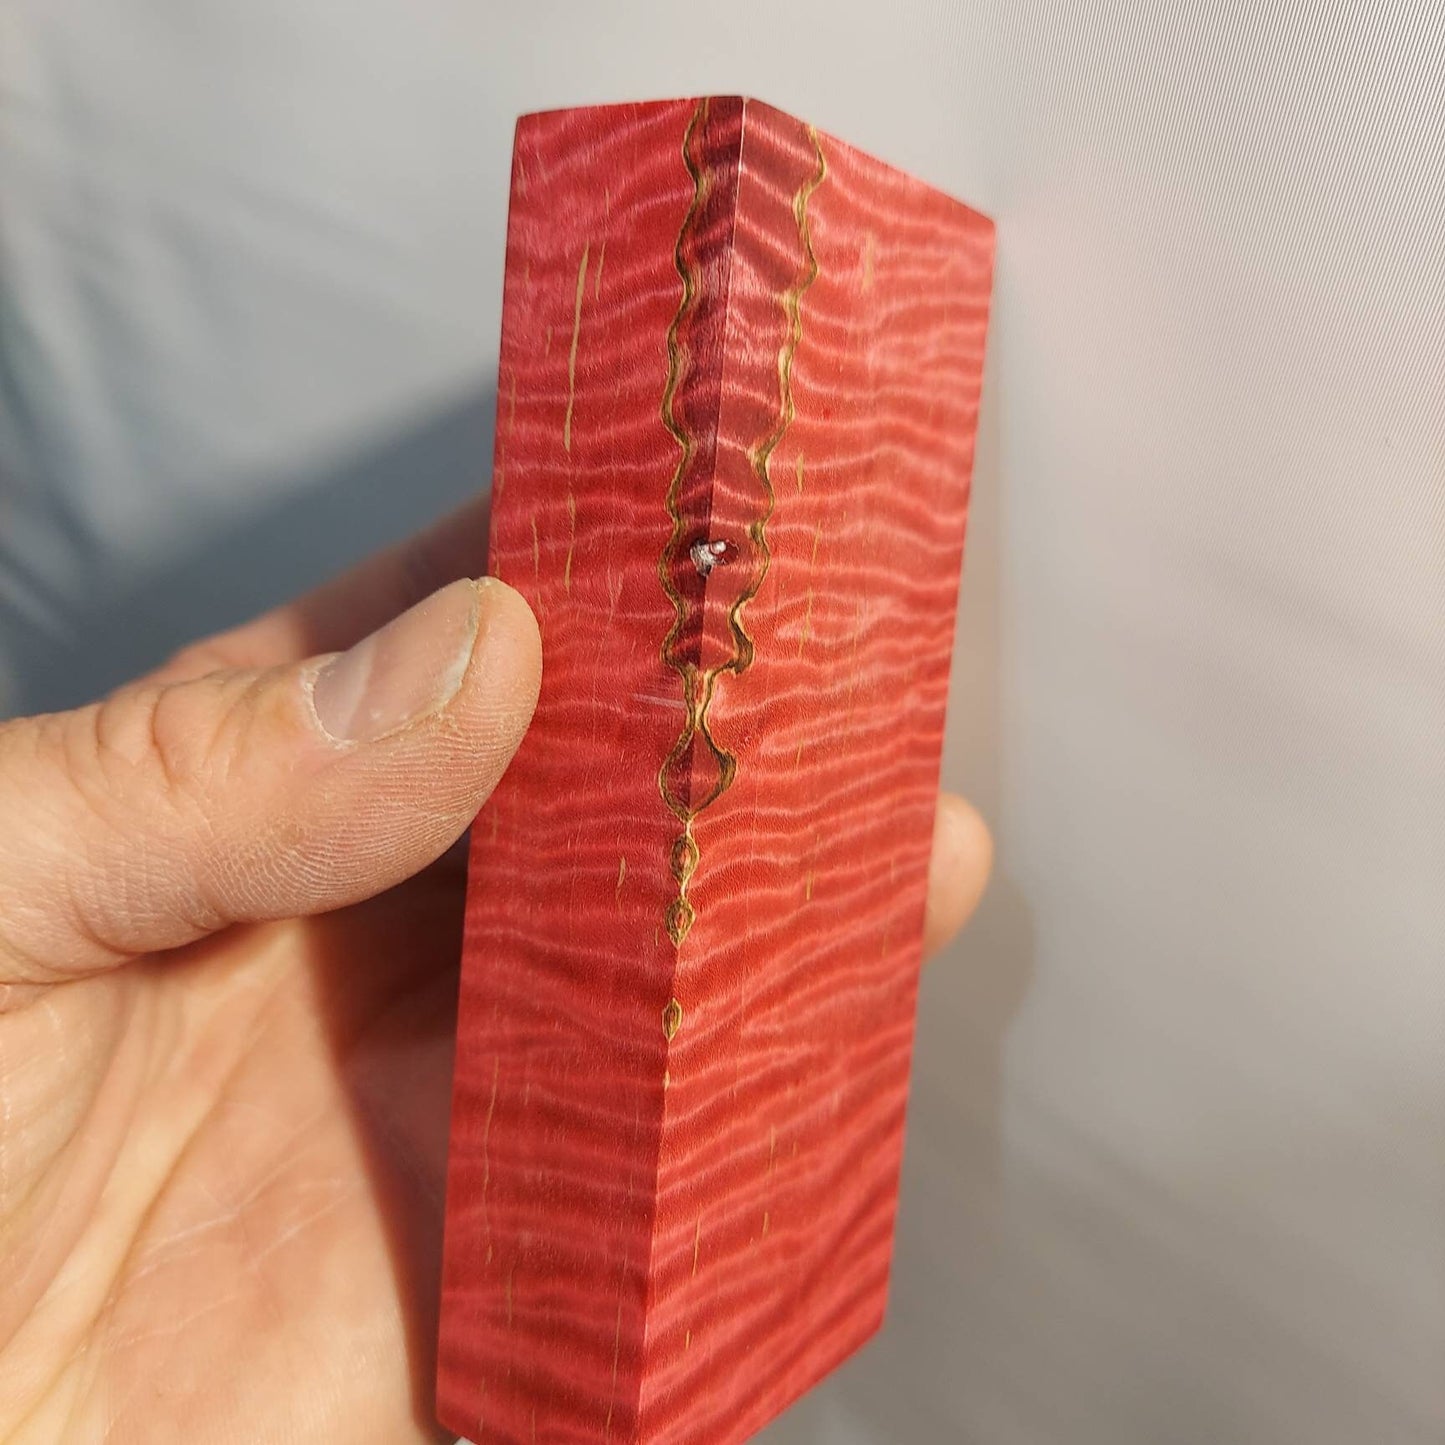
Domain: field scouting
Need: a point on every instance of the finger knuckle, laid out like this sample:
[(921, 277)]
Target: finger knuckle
[(173, 744)]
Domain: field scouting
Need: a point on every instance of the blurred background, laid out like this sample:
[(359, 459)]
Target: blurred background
[(1176, 1165)]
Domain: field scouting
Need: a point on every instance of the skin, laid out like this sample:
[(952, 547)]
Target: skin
[(228, 973)]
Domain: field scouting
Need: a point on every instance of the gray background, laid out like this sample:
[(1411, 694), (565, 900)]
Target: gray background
[(1176, 1167)]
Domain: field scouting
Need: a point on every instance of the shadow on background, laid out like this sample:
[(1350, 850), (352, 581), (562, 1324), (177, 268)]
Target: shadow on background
[(328, 520)]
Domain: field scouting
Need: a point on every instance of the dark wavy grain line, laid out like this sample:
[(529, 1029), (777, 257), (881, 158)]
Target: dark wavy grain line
[(700, 686), (761, 454), (684, 855)]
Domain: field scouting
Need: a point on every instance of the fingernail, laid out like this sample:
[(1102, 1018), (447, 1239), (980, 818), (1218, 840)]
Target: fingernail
[(407, 670)]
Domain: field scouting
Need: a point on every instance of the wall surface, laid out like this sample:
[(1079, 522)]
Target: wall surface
[(1176, 1169)]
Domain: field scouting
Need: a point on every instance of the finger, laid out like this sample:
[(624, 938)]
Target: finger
[(349, 607), (958, 874), (170, 810)]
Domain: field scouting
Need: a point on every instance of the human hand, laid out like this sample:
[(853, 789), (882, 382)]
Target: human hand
[(229, 934)]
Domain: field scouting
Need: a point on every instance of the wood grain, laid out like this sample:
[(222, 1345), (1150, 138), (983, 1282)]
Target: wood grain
[(737, 401)]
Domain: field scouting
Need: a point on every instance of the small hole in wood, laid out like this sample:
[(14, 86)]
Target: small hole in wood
[(713, 552)]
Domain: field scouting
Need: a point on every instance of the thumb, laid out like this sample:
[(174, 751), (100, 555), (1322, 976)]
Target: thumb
[(168, 811)]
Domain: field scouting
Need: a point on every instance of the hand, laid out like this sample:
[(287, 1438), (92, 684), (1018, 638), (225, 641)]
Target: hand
[(229, 935)]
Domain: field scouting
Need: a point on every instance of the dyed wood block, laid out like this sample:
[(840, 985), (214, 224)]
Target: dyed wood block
[(737, 400)]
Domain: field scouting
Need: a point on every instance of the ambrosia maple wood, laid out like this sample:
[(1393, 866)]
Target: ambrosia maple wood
[(737, 400)]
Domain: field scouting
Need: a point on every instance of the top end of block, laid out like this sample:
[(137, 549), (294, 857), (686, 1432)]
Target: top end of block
[(619, 112)]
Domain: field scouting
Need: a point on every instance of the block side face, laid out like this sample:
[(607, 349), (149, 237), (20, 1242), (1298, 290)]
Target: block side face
[(857, 311), (567, 966)]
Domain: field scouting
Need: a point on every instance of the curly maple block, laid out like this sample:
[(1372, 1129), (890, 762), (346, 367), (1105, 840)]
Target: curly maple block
[(738, 390)]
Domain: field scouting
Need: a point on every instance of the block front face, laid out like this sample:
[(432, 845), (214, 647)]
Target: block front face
[(737, 400), (558, 1093)]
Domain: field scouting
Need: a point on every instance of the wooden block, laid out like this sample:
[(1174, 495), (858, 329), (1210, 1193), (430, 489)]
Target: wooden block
[(737, 400)]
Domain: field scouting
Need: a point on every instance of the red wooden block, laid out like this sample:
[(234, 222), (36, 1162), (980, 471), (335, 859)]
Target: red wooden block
[(738, 391)]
